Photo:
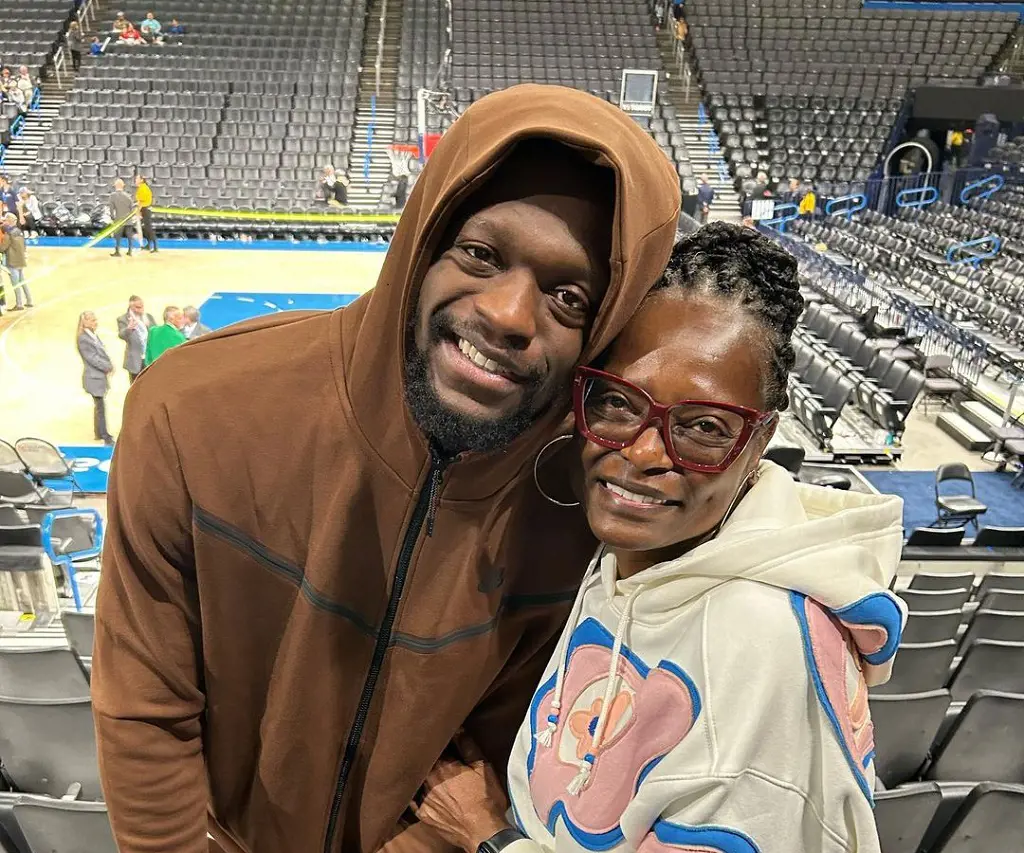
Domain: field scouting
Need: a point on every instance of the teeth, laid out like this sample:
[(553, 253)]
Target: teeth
[(632, 496), (478, 358)]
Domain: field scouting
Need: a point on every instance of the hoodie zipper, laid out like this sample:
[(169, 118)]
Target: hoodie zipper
[(426, 507)]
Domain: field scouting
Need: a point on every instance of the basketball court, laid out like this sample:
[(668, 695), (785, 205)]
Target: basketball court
[(40, 370)]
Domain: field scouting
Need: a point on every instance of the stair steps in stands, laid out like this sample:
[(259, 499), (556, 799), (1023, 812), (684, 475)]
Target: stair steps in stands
[(686, 100), (980, 415), (367, 179), (21, 153), (963, 432)]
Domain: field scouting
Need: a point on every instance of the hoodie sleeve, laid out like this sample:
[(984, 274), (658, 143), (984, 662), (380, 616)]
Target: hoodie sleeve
[(147, 696)]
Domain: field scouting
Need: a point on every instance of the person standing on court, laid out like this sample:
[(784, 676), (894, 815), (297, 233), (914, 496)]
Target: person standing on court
[(193, 328), (163, 338), (96, 376), (133, 328), (286, 644), (12, 246), (121, 209), (144, 204)]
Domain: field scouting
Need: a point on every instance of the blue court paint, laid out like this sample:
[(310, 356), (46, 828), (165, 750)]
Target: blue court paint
[(223, 309), (917, 488), (258, 245), (91, 463)]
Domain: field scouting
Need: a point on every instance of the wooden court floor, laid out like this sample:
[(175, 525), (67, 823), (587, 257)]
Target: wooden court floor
[(40, 371)]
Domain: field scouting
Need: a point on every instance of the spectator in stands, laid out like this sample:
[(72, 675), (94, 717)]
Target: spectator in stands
[(808, 201), (334, 187), (193, 328), (151, 29), (96, 375), (130, 35), (75, 42), (144, 205), (121, 23), (29, 212), (705, 198), (96, 48), (6, 80), (665, 618), (176, 29), (8, 198), (163, 338), (956, 144), (679, 22), (419, 411), (121, 209), (12, 246), (133, 328), (25, 84)]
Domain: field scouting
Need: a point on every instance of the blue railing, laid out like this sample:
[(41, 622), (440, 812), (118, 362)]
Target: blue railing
[(963, 253), (369, 138), (785, 212), (982, 189), (846, 205), (917, 196)]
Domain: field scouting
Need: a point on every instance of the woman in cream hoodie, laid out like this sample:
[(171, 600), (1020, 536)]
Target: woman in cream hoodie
[(709, 692)]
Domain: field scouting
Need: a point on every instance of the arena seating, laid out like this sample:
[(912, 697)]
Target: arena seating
[(810, 89), (572, 43), (424, 41), (242, 114)]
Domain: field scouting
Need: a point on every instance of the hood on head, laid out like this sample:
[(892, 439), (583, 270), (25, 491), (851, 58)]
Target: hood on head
[(644, 223), (839, 548)]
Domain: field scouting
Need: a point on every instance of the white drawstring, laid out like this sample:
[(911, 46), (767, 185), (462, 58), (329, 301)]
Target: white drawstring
[(545, 736), (579, 782)]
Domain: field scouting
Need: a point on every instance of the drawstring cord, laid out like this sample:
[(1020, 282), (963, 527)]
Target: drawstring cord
[(544, 736), (579, 782)]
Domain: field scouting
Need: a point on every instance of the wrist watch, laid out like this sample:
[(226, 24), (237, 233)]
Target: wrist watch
[(500, 840)]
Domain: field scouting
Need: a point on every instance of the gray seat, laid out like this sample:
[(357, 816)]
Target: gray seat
[(960, 507), (931, 627), (939, 580), (994, 625), (948, 537), (984, 743), (919, 667), (932, 601), (989, 665), (80, 626), (64, 826), (1000, 580), (904, 814), (989, 820), (905, 727), (48, 745), (1006, 600), (42, 674)]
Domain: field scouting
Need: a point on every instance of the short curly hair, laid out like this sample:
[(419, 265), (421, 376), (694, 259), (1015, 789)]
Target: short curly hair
[(743, 266)]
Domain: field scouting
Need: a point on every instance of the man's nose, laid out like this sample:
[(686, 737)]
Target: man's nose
[(508, 305)]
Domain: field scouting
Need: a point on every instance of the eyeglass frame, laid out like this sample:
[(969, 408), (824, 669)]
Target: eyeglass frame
[(753, 420)]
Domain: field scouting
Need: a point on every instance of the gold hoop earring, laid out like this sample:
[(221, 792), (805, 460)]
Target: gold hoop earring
[(536, 465)]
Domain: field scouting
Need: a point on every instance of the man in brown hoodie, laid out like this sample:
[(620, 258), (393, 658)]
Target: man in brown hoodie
[(310, 587)]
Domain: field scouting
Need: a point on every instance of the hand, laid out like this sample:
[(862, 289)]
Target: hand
[(462, 797)]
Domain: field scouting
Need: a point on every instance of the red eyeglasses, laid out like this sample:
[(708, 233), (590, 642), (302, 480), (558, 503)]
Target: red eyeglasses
[(698, 435)]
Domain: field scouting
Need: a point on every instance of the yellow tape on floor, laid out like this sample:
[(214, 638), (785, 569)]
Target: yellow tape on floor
[(263, 216)]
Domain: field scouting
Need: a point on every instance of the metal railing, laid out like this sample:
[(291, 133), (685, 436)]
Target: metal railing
[(379, 61), (86, 14)]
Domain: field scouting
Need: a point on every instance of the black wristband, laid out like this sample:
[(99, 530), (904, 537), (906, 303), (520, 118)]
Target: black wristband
[(500, 840)]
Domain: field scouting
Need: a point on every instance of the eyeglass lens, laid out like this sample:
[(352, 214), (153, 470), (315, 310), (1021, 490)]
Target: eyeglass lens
[(703, 434)]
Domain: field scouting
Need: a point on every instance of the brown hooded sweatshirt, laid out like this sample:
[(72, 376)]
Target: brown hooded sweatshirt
[(279, 642)]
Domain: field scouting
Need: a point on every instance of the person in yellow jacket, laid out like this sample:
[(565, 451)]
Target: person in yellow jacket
[(808, 203), (144, 204)]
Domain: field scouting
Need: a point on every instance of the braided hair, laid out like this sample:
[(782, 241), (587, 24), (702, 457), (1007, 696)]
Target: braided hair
[(741, 265)]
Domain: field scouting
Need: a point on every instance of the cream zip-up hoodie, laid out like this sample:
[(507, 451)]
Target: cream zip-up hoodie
[(717, 703)]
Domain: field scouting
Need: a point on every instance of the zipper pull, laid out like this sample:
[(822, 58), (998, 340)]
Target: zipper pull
[(437, 467)]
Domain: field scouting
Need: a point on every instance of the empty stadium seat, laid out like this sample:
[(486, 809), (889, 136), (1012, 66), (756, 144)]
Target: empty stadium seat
[(983, 743), (930, 601), (41, 674), (904, 814), (920, 667), (989, 665), (932, 627), (941, 581), (905, 727), (991, 818), (64, 826)]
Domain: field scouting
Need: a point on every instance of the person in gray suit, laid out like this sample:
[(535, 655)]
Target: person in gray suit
[(133, 328), (96, 376), (193, 326)]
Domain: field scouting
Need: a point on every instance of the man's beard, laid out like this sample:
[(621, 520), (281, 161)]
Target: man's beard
[(454, 432)]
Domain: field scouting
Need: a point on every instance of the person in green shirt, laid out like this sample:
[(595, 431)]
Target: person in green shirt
[(162, 338)]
